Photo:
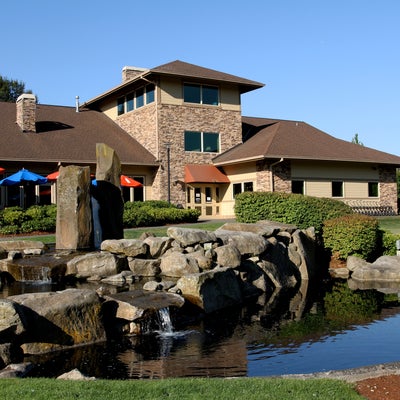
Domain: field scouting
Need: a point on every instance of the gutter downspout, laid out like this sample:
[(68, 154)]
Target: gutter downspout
[(272, 186)]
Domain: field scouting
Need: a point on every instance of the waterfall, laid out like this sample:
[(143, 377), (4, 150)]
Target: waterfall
[(34, 274), (164, 320)]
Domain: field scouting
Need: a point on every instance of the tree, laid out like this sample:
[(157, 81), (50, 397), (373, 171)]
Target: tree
[(356, 140), (10, 89)]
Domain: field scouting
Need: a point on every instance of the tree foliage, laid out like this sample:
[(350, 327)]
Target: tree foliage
[(10, 89), (356, 140)]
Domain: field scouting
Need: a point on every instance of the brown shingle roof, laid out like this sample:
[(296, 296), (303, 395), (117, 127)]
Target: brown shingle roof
[(67, 136), (181, 69), (271, 138)]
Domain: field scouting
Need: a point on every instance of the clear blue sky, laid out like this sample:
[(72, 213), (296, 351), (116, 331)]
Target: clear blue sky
[(334, 64)]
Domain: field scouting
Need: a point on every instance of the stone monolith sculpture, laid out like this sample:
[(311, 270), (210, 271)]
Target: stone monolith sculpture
[(107, 200), (74, 216)]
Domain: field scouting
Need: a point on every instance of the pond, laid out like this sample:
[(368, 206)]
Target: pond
[(323, 326)]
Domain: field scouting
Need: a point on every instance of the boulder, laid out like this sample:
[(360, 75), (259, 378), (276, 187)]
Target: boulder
[(187, 237), (211, 290), (121, 279), (22, 246), (96, 264), (11, 322), (54, 320), (384, 269), (177, 264), (126, 247), (142, 267), (75, 375), (10, 353), (204, 262), (128, 312), (249, 244), (157, 245), (305, 247), (228, 256)]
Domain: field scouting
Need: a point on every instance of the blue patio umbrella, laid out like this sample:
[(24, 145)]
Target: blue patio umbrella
[(22, 177)]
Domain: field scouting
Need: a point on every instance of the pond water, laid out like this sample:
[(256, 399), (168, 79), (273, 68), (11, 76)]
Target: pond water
[(302, 331)]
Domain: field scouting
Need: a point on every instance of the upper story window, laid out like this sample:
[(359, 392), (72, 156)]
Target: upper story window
[(121, 105), (200, 94), (136, 99), (202, 141)]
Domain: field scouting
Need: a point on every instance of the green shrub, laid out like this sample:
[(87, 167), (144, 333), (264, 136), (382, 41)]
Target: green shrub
[(355, 234), (13, 216), (302, 211), (389, 243), (156, 213)]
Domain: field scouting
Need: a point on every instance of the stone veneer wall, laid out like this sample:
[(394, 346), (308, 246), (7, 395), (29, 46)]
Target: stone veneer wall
[(281, 175), (153, 126), (388, 187), (263, 176)]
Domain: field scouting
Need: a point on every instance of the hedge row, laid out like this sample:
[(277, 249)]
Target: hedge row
[(341, 232), (302, 211), (15, 220)]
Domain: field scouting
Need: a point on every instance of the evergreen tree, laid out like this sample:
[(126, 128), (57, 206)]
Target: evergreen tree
[(10, 89)]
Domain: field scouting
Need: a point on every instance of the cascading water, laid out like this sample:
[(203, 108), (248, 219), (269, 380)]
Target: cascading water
[(164, 321), (34, 274)]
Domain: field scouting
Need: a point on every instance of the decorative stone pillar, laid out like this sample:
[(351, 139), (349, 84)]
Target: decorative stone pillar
[(74, 216)]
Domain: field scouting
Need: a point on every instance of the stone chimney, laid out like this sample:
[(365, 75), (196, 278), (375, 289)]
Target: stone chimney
[(131, 72), (26, 112)]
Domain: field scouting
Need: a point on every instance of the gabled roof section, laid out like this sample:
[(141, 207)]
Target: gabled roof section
[(186, 70), (67, 136), (183, 70), (274, 139)]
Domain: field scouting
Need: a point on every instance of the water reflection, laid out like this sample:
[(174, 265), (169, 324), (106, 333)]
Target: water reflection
[(315, 328)]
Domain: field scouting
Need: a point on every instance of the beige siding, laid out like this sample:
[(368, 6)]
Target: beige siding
[(110, 109), (171, 91), (318, 188), (230, 98), (356, 190)]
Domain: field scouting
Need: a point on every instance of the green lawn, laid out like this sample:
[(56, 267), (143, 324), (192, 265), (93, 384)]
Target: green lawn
[(180, 389), (391, 224)]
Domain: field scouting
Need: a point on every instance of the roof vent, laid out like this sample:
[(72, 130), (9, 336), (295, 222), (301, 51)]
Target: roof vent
[(77, 103)]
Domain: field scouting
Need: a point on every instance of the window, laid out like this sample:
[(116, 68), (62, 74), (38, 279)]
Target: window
[(242, 187), (121, 105), (150, 94), (298, 187), (337, 189), (202, 141), (129, 102), (137, 99), (200, 94), (208, 195), (373, 189)]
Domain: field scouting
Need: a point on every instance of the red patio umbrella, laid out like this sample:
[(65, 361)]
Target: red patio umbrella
[(129, 182), (53, 176)]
